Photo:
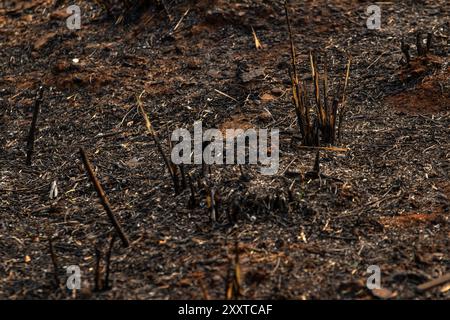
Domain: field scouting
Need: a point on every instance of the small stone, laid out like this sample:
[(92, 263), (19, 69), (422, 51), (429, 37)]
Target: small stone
[(267, 97)]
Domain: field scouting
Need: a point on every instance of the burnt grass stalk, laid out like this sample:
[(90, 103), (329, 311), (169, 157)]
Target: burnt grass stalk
[(54, 262), (101, 283), (171, 167), (33, 126), (103, 271), (233, 288)]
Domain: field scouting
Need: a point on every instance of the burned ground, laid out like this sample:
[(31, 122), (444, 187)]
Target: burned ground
[(382, 199)]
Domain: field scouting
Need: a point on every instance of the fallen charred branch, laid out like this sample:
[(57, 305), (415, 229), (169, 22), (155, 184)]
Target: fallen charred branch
[(103, 198)]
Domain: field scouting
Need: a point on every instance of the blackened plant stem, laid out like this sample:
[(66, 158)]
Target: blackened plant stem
[(152, 133), (32, 132), (54, 262), (108, 262)]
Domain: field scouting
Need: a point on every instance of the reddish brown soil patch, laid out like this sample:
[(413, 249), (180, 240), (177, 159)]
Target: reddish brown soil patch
[(412, 219), (432, 95), (408, 220), (234, 123), (66, 74), (420, 66)]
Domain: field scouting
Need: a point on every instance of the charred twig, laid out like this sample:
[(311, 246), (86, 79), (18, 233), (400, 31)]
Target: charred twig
[(183, 176), (291, 192), (98, 271), (176, 179), (206, 168), (234, 279), (108, 262), (315, 173), (405, 49), (32, 132), (244, 176), (419, 44), (103, 198), (434, 283), (423, 49), (54, 262), (237, 270), (316, 167), (234, 211), (175, 170), (212, 205), (192, 199), (429, 38), (204, 291)]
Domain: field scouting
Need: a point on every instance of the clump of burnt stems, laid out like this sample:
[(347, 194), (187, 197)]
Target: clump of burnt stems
[(423, 49), (319, 116), (423, 55)]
